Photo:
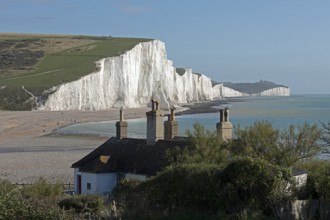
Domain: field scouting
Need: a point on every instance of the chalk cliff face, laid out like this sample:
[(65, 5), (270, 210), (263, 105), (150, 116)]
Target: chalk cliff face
[(131, 80), (134, 78), (278, 91), (228, 92)]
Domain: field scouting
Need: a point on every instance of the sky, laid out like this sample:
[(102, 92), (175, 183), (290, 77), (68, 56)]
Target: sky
[(283, 41)]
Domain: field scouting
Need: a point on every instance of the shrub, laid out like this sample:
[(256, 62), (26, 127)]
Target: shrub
[(180, 188), (253, 185), (82, 203), (128, 196), (318, 180), (14, 206), (42, 188)]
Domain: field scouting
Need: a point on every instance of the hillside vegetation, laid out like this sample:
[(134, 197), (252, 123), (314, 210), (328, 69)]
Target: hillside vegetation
[(31, 64)]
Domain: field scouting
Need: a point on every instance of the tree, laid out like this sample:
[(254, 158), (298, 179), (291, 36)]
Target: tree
[(326, 134), (318, 181), (253, 185), (283, 148), (300, 143), (204, 147)]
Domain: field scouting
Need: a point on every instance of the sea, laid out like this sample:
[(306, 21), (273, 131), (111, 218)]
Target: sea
[(243, 111)]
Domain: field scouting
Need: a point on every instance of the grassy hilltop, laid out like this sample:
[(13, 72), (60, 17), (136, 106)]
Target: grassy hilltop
[(39, 62)]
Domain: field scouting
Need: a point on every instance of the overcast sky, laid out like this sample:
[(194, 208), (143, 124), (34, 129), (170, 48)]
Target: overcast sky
[(284, 41)]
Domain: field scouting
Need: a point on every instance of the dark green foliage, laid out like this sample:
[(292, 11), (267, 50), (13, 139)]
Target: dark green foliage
[(41, 189), (258, 141), (187, 216), (326, 134), (246, 187), (82, 203), (13, 205), (251, 185), (284, 148), (318, 181), (17, 99), (204, 147), (300, 143), (185, 187), (129, 198), (5, 187), (178, 188)]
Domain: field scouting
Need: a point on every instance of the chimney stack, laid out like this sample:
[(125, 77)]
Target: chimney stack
[(155, 129), (224, 127), (171, 126), (121, 126)]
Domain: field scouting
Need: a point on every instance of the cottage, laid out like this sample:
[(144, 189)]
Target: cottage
[(129, 158)]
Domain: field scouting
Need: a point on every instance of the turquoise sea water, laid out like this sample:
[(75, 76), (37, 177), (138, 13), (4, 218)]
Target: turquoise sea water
[(280, 111)]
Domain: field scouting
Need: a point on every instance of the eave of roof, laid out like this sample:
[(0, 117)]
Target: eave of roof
[(129, 155)]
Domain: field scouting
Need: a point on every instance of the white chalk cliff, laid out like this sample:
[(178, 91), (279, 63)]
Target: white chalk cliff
[(278, 91), (134, 78), (229, 92), (131, 80)]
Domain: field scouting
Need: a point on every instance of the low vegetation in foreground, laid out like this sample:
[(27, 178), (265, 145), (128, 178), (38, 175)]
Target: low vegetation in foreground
[(249, 177), (32, 64)]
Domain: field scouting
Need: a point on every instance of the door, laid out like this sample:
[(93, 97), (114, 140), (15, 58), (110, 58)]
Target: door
[(79, 184)]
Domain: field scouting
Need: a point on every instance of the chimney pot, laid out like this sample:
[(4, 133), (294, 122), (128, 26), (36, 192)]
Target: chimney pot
[(155, 129), (121, 126)]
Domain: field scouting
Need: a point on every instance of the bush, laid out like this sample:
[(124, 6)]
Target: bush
[(129, 197), (252, 185), (83, 203), (318, 180), (14, 206), (42, 188), (180, 188)]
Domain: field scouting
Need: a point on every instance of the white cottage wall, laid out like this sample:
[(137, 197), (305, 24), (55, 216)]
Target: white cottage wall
[(105, 182), (100, 183), (91, 179)]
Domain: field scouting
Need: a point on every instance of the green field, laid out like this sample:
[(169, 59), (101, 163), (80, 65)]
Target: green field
[(66, 58), (72, 63)]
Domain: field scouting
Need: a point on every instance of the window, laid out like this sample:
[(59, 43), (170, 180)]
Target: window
[(89, 186)]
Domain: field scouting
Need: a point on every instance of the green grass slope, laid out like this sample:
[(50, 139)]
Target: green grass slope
[(39, 62)]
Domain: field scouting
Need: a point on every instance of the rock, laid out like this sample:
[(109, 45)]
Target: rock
[(132, 80)]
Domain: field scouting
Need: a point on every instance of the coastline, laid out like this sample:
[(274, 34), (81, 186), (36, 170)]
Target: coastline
[(29, 148)]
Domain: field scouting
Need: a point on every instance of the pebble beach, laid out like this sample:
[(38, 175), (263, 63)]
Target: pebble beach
[(29, 149)]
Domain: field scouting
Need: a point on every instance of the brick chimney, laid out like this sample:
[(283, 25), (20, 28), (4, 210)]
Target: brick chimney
[(155, 129), (171, 127), (224, 127), (121, 126)]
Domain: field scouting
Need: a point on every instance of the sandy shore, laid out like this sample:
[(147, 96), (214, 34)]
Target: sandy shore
[(28, 151)]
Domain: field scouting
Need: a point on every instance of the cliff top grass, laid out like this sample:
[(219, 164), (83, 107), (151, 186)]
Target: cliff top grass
[(43, 61)]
